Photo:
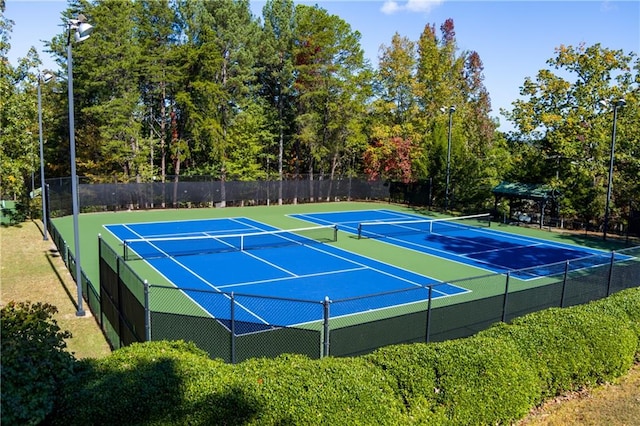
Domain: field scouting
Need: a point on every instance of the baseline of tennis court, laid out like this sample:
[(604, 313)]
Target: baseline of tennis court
[(217, 255), (473, 243)]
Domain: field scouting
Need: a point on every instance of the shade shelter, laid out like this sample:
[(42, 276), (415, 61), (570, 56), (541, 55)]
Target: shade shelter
[(539, 193)]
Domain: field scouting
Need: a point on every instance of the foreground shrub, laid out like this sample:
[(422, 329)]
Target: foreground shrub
[(494, 377), (625, 304), (413, 368), (465, 381), (149, 383), (571, 347), (34, 361), (483, 381), (293, 389), (174, 383)]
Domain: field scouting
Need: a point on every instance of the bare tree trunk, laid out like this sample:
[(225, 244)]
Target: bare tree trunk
[(280, 146), (163, 137), (174, 140), (334, 166)]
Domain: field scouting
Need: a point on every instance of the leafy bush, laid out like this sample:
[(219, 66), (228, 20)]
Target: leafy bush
[(484, 380), (174, 383), (414, 369), (293, 389), (625, 304), (570, 347), (148, 383), (34, 361), (466, 381), (17, 214), (494, 377)]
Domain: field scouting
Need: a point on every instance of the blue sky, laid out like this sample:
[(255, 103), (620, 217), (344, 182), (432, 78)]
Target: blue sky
[(513, 38)]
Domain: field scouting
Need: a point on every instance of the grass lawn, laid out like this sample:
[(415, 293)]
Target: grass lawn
[(31, 270)]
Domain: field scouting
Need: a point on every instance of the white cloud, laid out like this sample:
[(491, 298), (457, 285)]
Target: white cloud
[(422, 6), (390, 7), (607, 6)]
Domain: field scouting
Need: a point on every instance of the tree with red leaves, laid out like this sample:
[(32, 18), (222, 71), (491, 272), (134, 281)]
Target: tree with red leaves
[(389, 159)]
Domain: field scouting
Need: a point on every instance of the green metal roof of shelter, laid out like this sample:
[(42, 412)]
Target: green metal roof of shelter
[(525, 191)]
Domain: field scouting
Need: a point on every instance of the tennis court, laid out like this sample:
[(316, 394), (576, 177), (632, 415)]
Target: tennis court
[(249, 258), (469, 240)]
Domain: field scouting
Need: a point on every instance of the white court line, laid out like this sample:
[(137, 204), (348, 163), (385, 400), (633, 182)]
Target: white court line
[(206, 232), (351, 261), (314, 219), (502, 249), (374, 269), (273, 265), (204, 281), (273, 280)]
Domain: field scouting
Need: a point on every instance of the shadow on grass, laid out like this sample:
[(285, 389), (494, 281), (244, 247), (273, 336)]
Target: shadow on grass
[(49, 255), (159, 390)]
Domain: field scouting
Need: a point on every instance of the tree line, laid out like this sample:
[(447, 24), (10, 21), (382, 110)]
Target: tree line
[(165, 88)]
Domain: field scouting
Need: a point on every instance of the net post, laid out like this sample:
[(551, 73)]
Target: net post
[(428, 330), (335, 233), (359, 230), (325, 347), (233, 328), (506, 297), (147, 313)]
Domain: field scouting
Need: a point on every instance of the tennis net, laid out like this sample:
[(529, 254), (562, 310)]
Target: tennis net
[(381, 229), (150, 248)]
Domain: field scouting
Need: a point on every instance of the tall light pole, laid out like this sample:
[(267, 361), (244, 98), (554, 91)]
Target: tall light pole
[(82, 32), (450, 110), (33, 183), (43, 77), (615, 104)]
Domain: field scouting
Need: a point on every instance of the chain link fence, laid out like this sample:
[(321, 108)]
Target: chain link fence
[(205, 191), (135, 311)]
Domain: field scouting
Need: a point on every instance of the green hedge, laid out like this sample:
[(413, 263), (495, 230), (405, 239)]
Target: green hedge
[(294, 389), (150, 383), (34, 361), (173, 383), (573, 347), (495, 377)]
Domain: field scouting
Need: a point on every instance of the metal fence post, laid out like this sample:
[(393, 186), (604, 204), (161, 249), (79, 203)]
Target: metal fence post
[(506, 296), (100, 321), (564, 283), (233, 329), (325, 351), (613, 256), (429, 314), (147, 313)]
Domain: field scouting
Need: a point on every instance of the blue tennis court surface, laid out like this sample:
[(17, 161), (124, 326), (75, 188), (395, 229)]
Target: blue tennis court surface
[(482, 247), (284, 265)]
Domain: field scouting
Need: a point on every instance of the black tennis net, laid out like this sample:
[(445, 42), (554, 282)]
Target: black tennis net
[(149, 248), (381, 229)]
